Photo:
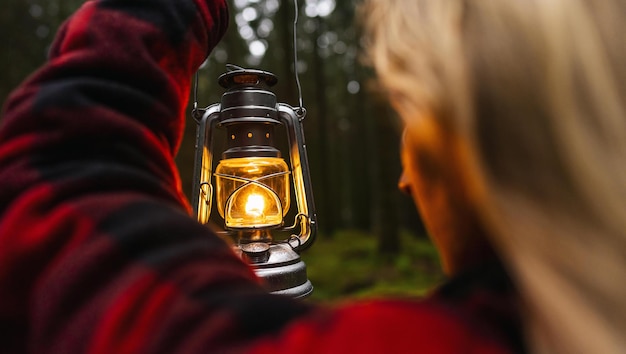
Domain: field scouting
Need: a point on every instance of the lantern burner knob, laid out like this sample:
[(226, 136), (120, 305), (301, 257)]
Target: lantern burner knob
[(256, 252)]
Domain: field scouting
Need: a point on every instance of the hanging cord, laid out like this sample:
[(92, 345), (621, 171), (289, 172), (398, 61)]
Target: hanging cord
[(301, 110), (195, 112)]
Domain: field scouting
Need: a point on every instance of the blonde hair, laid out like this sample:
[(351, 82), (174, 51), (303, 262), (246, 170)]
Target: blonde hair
[(537, 89)]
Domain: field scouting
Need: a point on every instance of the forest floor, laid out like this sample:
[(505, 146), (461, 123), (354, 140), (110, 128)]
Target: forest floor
[(348, 266)]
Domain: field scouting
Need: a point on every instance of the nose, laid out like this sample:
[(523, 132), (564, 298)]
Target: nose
[(404, 184)]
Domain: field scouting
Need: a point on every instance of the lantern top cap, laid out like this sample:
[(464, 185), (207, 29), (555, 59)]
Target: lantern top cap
[(238, 76)]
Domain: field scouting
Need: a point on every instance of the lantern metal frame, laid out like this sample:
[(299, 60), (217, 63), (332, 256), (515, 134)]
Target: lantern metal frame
[(279, 265)]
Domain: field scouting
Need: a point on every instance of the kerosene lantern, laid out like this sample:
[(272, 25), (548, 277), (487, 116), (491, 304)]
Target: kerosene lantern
[(251, 184)]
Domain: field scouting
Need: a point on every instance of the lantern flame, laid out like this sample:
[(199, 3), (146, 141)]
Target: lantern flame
[(255, 205)]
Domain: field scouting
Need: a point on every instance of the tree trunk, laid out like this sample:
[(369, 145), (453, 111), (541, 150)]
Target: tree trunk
[(388, 170), (327, 211)]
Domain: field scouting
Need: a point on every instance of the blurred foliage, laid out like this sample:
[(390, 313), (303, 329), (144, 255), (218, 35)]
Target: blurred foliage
[(348, 266), (27, 28)]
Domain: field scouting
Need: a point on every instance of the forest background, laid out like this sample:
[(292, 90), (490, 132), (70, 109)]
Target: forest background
[(371, 240)]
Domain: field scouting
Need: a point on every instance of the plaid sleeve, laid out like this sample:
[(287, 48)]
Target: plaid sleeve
[(98, 253)]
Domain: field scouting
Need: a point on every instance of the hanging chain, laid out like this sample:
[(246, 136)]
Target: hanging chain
[(301, 110)]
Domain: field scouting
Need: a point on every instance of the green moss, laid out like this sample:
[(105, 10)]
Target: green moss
[(347, 266)]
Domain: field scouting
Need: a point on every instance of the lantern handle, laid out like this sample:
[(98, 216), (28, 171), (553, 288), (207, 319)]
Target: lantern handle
[(292, 120), (196, 113), (301, 111), (200, 203)]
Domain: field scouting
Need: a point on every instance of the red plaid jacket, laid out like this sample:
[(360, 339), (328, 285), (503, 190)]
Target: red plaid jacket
[(98, 253)]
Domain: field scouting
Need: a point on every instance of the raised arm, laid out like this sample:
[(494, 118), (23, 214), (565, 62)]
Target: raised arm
[(97, 251)]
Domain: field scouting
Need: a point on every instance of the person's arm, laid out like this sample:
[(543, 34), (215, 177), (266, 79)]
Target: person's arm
[(97, 251)]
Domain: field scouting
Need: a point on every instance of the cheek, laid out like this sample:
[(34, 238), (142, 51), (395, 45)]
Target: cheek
[(423, 174), (427, 166), (423, 169), (421, 191)]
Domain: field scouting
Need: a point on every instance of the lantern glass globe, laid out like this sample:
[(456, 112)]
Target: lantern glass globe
[(252, 192)]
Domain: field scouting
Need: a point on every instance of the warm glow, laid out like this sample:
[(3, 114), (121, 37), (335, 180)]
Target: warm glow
[(255, 205), (252, 192)]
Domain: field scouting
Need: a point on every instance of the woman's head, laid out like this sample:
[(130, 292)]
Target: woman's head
[(521, 105)]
